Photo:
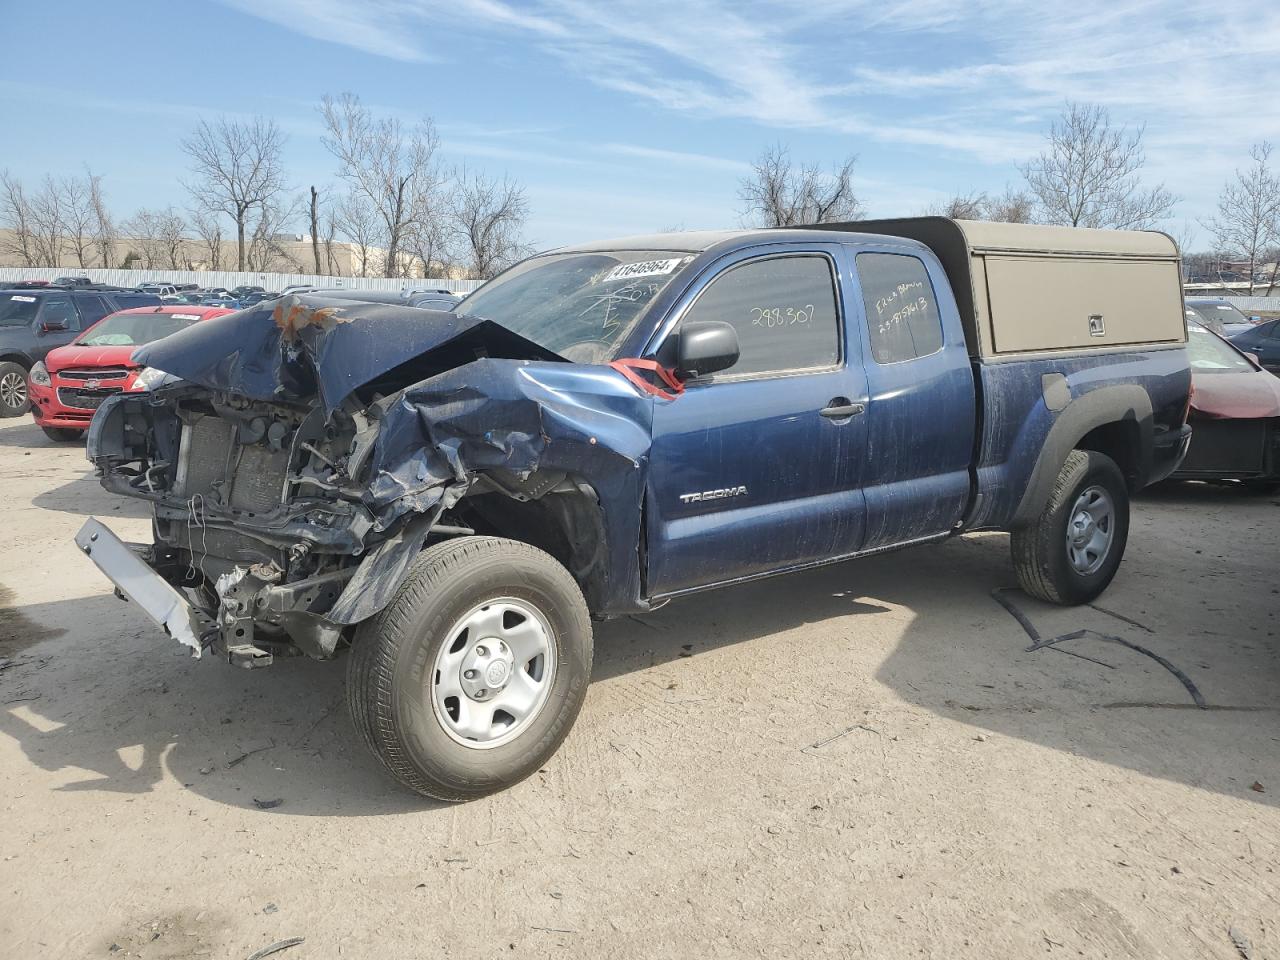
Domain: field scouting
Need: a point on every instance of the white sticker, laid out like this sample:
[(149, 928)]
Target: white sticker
[(185, 316), (24, 299), (642, 268)]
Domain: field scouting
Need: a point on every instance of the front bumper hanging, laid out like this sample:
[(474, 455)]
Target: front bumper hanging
[(142, 585)]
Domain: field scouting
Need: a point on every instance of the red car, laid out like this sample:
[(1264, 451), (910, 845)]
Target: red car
[(73, 380), (1235, 414)]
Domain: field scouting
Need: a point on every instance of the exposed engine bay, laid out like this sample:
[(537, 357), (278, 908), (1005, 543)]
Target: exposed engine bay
[(292, 484)]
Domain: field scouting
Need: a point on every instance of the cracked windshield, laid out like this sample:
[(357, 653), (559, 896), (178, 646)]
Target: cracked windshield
[(581, 305)]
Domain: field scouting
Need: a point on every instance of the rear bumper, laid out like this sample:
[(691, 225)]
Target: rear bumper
[(1168, 449)]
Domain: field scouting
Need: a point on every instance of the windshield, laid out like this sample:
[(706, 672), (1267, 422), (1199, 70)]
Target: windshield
[(1209, 353), (1218, 312), (580, 305), (17, 310), (135, 329)]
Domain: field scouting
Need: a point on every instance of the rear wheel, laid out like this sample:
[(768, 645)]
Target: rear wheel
[(63, 434), (14, 399), (1072, 551), (472, 676)]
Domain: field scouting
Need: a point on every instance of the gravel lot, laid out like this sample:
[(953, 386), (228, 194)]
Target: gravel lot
[(861, 761)]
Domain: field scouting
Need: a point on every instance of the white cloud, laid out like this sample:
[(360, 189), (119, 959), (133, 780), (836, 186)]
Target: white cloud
[(978, 81)]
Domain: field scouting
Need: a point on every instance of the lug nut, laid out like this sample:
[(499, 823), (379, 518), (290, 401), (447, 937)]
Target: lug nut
[(469, 674), (481, 693), (481, 652)]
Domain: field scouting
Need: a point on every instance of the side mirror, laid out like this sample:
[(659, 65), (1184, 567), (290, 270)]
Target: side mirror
[(52, 326), (706, 347), (1254, 358)]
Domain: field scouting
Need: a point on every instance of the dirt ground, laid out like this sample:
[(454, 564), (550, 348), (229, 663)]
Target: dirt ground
[(861, 761)]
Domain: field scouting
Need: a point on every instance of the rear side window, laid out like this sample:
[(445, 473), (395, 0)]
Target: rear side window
[(92, 309), (902, 310), (784, 310)]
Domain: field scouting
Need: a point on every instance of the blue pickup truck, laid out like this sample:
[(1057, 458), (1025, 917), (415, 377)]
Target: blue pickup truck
[(450, 498)]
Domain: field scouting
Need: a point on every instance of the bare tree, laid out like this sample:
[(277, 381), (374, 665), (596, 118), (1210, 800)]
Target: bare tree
[(172, 236), (159, 236), (780, 194), (1089, 175), (1012, 206), (79, 217), (386, 165), (207, 226), (1248, 220), (333, 268), (270, 232), (429, 239), (488, 219), (315, 226), (359, 223), (963, 206), (237, 168), (104, 231), (47, 218), (15, 215)]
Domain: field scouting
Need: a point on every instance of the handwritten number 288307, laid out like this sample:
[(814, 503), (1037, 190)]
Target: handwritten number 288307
[(772, 317)]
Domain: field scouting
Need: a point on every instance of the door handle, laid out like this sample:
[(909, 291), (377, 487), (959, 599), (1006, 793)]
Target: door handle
[(842, 409)]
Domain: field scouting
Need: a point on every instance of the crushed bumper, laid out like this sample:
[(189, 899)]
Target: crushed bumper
[(142, 585)]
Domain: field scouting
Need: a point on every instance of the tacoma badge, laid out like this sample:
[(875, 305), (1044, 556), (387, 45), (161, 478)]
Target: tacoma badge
[(720, 494)]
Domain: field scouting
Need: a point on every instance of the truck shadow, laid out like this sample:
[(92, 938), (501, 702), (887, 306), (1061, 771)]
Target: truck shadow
[(105, 706), (26, 434), (86, 497)]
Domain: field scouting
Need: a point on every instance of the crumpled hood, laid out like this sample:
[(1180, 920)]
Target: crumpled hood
[(301, 347), (1236, 396)]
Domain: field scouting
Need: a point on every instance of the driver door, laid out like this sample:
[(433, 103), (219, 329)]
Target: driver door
[(758, 468)]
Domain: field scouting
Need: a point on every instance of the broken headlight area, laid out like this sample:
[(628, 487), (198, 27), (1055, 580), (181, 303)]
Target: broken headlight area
[(258, 510)]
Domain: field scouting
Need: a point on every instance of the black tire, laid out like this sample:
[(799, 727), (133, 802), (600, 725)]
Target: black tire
[(15, 397), (63, 434), (1040, 551), (395, 652)]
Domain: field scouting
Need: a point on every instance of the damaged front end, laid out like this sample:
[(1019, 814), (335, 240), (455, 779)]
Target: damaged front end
[(312, 447)]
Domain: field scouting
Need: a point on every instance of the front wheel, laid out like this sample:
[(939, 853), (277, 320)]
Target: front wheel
[(1071, 552), (14, 399), (472, 676)]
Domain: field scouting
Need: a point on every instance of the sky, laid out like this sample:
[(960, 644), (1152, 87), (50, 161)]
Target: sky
[(641, 115)]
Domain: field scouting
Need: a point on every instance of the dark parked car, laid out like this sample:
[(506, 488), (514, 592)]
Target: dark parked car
[(423, 299), (1263, 341), (72, 282), (1235, 414), (1223, 318), (33, 322), (448, 499)]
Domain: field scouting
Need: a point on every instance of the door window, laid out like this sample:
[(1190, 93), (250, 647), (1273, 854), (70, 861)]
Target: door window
[(59, 310), (902, 310), (784, 310)]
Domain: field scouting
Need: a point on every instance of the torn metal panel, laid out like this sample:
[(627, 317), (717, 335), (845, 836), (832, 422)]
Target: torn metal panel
[(137, 581), (503, 418)]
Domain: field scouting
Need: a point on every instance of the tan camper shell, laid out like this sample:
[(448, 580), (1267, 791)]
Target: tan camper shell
[(1024, 288)]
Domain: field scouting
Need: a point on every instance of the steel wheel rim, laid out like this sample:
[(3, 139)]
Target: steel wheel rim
[(494, 673), (1091, 529), (13, 389)]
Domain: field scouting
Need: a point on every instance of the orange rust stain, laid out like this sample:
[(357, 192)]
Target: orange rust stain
[(292, 317)]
